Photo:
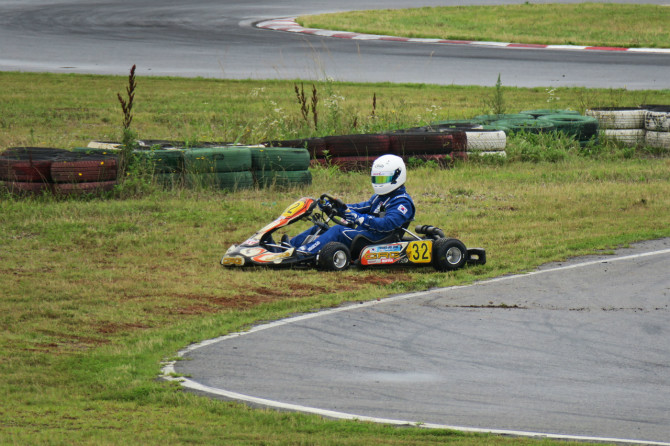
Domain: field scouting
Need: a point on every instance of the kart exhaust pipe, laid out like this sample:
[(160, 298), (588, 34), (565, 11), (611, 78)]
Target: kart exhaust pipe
[(430, 231)]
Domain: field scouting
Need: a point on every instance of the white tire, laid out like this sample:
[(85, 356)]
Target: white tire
[(630, 137), (618, 118), (658, 121), (482, 154), (486, 140), (658, 140), (104, 145)]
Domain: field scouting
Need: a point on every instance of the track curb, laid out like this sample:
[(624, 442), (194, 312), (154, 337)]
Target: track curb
[(289, 24)]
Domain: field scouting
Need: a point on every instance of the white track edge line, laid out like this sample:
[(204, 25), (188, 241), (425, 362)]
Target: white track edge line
[(168, 370)]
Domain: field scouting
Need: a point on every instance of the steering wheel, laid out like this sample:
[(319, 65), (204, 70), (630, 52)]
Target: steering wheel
[(333, 208)]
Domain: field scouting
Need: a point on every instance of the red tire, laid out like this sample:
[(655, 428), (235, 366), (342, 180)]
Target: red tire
[(415, 143), (28, 164), (357, 145), (77, 189), (84, 170), (26, 188), (347, 163)]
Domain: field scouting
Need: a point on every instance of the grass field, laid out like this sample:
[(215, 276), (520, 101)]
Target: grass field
[(597, 24), (95, 293)]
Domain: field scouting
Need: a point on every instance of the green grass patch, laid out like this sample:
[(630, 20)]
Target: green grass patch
[(596, 24), (97, 292)]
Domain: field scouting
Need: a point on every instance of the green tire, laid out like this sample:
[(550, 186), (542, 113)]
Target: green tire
[(162, 160), (525, 125), (582, 128), (279, 159), (230, 181), (217, 160), (283, 179)]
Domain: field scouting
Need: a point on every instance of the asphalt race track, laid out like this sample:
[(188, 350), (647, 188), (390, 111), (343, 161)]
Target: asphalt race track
[(217, 39), (577, 350)]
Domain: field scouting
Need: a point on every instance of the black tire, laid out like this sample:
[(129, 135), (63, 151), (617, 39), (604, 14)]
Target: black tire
[(449, 254), (582, 128), (279, 158), (217, 159), (334, 257), (283, 179), (548, 111)]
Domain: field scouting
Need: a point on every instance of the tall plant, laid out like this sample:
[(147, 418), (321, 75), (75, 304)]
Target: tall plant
[(129, 138)]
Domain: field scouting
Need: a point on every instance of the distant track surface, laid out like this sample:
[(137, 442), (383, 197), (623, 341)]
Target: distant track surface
[(217, 39)]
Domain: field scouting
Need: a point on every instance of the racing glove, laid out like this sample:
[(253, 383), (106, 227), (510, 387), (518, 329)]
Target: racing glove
[(354, 217)]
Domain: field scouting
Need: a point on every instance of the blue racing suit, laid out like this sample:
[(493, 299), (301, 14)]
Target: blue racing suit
[(378, 217)]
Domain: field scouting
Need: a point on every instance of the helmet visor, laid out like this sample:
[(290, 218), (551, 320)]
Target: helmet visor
[(382, 179)]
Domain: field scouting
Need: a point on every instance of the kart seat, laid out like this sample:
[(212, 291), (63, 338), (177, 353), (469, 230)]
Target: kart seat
[(359, 242)]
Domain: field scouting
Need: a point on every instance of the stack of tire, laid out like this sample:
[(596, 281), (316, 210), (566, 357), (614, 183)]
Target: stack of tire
[(623, 124), (358, 151), (37, 170), (481, 140), (222, 166), (657, 126)]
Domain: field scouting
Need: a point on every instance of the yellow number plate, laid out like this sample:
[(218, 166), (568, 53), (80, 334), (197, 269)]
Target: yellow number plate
[(420, 251)]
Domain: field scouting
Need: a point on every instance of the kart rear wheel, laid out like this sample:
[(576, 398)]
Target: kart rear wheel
[(334, 257), (449, 254)]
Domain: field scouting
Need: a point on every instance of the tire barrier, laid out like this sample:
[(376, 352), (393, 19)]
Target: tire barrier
[(647, 125), (37, 170)]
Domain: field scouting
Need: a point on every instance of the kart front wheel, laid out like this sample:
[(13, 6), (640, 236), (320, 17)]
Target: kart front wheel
[(334, 257), (449, 254)]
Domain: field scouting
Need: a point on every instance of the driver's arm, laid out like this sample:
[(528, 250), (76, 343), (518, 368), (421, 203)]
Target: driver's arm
[(399, 211)]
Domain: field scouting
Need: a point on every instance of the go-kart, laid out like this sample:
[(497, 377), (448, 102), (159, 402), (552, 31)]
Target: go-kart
[(402, 247)]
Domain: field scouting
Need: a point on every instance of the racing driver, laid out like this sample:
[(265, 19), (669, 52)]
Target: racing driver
[(386, 211)]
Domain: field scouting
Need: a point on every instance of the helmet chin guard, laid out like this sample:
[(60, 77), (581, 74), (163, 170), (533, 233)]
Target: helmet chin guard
[(388, 173)]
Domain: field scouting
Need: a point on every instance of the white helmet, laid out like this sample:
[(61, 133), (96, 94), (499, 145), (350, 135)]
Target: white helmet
[(388, 174)]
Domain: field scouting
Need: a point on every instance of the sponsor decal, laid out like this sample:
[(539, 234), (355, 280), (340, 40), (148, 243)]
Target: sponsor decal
[(233, 261), (394, 247), (273, 257), (383, 254), (313, 246), (250, 252)]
